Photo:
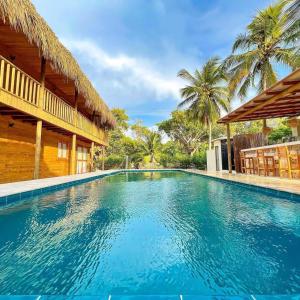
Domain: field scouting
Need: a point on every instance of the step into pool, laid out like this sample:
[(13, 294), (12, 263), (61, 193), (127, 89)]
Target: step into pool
[(151, 233)]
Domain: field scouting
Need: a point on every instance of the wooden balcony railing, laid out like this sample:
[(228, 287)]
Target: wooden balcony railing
[(57, 107), (14, 81)]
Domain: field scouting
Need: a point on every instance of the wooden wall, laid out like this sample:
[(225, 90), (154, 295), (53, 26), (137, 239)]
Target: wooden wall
[(17, 142), (17, 147)]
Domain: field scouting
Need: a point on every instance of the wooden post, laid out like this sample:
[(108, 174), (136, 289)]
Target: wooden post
[(288, 161), (103, 154), (42, 82), (266, 130), (73, 155), (76, 109), (92, 155), (229, 149), (38, 144)]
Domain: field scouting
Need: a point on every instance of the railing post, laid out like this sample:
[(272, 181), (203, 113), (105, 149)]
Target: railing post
[(76, 109), (38, 146), (42, 83), (73, 155), (1, 73)]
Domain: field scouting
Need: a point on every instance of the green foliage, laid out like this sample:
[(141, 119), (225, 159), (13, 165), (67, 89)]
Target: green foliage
[(187, 133), (113, 161), (205, 95), (280, 132), (270, 40)]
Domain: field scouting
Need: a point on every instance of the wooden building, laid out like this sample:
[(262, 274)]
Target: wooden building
[(51, 117)]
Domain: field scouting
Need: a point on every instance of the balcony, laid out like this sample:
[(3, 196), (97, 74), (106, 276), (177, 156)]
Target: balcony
[(23, 93)]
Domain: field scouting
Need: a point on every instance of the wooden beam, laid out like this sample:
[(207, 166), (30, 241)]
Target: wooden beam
[(38, 145), (73, 155), (290, 82), (42, 82), (271, 100), (229, 149)]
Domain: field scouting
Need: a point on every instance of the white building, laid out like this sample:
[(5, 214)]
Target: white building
[(217, 156)]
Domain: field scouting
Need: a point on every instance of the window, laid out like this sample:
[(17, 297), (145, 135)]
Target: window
[(62, 150)]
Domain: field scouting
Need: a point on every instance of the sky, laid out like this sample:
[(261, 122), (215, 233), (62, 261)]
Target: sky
[(132, 50)]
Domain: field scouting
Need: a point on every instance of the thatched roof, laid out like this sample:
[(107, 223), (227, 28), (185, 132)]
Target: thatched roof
[(23, 17)]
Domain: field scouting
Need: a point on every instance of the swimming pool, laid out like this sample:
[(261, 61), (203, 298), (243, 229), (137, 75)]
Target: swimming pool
[(166, 233)]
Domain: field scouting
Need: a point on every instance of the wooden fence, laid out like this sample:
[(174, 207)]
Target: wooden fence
[(245, 141)]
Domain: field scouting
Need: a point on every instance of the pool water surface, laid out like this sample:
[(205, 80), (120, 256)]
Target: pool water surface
[(151, 233)]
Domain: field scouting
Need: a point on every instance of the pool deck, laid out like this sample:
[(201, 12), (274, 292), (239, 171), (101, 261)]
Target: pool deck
[(275, 183), (22, 188), (7, 189)]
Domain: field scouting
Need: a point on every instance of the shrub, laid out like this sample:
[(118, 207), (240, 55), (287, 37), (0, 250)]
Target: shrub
[(113, 161)]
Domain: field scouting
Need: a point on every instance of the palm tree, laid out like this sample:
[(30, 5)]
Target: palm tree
[(293, 9), (270, 40), (206, 95), (151, 143)]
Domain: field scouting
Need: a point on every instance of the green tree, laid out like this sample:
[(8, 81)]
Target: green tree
[(270, 40), (205, 95), (180, 128), (151, 144)]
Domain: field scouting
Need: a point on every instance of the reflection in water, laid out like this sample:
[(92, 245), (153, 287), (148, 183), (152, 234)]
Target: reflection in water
[(151, 233)]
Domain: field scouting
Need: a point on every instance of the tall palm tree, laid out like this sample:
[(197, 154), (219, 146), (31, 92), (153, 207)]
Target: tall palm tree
[(293, 9), (206, 95), (151, 143), (270, 39)]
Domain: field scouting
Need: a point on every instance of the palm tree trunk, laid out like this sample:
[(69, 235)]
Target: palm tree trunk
[(209, 138)]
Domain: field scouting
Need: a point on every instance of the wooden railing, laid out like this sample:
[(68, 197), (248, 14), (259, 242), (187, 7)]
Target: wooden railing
[(57, 107), (14, 81), (83, 122)]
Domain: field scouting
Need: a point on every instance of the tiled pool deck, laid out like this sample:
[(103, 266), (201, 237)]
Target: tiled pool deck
[(274, 183), (12, 192)]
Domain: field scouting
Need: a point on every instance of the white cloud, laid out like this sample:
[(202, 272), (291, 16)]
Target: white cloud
[(138, 71)]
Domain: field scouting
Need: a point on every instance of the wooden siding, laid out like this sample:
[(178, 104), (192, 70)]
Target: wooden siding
[(17, 144), (17, 148)]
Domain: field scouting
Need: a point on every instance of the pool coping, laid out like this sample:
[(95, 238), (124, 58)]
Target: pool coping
[(270, 190), (16, 191)]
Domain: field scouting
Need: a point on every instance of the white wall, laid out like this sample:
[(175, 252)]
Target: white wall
[(211, 160)]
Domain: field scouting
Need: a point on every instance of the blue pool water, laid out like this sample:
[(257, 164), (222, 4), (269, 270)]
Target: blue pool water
[(151, 233)]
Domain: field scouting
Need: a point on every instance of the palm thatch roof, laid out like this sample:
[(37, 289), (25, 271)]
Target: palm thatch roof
[(22, 16)]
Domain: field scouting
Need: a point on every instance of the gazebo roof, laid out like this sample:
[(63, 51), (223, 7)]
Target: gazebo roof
[(280, 100)]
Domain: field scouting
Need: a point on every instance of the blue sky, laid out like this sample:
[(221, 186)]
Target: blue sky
[(132, 49)]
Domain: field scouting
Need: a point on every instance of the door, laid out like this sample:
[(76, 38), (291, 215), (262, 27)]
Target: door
[(82, 160)]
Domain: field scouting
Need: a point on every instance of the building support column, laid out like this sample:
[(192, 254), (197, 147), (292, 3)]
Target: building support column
[(73, 155), (92, 156), (38, 146), (229, 149)]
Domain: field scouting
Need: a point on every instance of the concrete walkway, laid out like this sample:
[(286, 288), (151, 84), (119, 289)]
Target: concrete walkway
[(7, 189), (276, 183)]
